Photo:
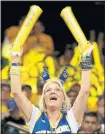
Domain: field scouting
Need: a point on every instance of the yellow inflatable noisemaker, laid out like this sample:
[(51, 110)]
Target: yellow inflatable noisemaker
[(32, 16), (74, 27)]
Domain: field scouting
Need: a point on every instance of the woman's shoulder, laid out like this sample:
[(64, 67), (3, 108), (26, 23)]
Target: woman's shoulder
[(35, 109), (36, 113)]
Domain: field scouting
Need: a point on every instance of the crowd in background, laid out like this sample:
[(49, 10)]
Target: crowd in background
[(39, 51)]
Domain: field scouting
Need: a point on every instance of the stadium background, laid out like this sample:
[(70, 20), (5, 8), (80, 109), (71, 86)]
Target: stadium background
[(90, 17)]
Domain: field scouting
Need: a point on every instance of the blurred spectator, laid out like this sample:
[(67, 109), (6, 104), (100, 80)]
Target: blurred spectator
[(90, 123), (9, 37), (27, 91), (102, 51), (101, 108), (5, 96), (73, 93), (67, 56), (71, 55), (13, 117), (92, 36), (100, 41), (12, 31), (4, 82), (5, 92), (38, 39)]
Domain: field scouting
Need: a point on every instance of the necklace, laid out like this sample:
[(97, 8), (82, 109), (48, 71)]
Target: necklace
[(53, 129)]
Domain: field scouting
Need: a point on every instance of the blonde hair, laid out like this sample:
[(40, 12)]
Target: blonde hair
[(66, 104)]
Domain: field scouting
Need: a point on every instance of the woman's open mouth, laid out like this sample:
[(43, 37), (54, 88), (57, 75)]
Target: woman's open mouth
[(53, 98)]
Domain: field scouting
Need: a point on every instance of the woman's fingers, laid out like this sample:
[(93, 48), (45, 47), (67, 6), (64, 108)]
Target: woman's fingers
[(15, 54), (88, 51)]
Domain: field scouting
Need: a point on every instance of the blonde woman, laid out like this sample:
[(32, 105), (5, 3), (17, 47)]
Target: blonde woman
[(54, 114)]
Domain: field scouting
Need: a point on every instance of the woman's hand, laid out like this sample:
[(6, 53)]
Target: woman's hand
[(15, 56), (88, 51)]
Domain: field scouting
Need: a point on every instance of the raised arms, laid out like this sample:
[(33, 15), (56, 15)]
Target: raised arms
[(80, 103), (23, 103)]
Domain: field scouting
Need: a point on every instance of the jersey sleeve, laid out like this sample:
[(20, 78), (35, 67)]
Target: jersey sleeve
[(72, 121), (31, 123)]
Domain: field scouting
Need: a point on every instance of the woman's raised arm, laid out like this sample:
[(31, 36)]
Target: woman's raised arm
[(81, 101), (21, 100)]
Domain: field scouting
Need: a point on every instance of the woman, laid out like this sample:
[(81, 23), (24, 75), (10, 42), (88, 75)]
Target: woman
[(54, 114)]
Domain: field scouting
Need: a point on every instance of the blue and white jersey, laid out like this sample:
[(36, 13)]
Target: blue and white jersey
[(39, 123)]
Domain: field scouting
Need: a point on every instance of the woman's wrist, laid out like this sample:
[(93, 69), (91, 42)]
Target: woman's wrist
[(15, 70), (86, 63), (15, 64), (85, 57)]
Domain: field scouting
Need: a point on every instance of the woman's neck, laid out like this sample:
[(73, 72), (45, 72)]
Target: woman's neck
[(53, 116)]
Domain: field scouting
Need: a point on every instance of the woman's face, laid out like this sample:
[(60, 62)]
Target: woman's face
[(53, 96)]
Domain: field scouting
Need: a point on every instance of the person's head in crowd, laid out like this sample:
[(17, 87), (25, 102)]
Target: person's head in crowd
[(21, 20), (14, 117), (38, 28), (5, 92), (40, 84), (92, 37), (73, 92), (4, 82), (90, 122), (101, 106), (100, 41), (27, 90), (69, 52)]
